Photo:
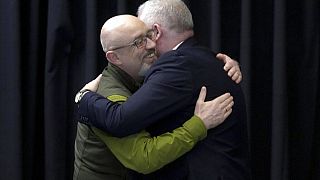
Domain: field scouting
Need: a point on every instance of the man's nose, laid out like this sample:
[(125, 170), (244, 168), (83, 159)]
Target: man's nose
[(150, 44)]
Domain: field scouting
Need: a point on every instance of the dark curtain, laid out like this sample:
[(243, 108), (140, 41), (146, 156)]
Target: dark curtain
[(50, 48)]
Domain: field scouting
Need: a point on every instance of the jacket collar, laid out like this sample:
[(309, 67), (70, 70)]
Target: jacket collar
[(188, 43), (122, 76)]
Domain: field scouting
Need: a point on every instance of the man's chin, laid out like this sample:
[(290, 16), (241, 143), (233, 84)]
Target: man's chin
[(145, 67)]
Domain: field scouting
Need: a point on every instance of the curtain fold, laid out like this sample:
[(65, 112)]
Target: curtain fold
[(49, 49), (11, 149), (279, 124), (58, 48)]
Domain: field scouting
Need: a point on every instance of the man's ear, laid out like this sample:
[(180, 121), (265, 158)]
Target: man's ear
[(157, 30), (113, 58)]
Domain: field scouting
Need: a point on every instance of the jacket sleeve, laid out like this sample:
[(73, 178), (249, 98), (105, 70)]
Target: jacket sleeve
[(166, 90), (145, 154)]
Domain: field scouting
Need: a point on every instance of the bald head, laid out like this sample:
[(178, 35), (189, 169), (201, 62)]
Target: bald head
[(119, 30)]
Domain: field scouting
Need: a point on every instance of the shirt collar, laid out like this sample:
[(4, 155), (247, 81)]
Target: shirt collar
[(176, 47)]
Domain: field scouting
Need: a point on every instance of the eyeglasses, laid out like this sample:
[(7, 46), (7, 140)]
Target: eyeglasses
[(140, 42)]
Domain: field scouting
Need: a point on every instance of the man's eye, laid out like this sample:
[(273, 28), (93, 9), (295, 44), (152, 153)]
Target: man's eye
[(138, 41), (150, 35)]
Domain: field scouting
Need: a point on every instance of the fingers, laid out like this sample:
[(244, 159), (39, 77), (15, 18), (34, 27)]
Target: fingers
[(232, 71), (213, 112), (222, 57), (202, 95), (238, 79), (231, 66), (227, 113), (227, 106), (227, 103), (222, 98), (235, 74), (229, 63)]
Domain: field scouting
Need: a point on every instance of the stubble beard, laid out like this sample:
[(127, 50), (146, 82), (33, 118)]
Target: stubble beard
[(144, 68)]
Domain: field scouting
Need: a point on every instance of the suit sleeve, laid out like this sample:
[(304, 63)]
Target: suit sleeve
[(167, 90)]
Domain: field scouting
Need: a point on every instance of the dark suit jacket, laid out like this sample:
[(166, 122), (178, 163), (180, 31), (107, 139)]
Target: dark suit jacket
[(170, 92)]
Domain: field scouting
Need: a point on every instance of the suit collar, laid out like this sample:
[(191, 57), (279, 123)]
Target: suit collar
[(188, 42)]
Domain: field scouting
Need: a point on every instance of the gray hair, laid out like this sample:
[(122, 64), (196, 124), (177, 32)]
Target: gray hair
[(172, 14)]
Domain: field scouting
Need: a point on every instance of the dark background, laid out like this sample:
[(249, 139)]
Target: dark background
[(50, 48)]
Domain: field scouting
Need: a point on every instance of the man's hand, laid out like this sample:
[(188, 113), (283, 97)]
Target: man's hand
[(213, 112), (93, 85), (231, 66)]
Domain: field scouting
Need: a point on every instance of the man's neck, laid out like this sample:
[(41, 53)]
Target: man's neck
[(174, 39), (177, 38)]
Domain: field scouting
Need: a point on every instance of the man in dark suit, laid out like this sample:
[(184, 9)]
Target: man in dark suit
[(170, 92)]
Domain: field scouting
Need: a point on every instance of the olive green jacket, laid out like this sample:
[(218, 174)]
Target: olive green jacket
[(99, 155)]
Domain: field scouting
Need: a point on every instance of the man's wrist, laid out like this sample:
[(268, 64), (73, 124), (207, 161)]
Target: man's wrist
[(196, 127)]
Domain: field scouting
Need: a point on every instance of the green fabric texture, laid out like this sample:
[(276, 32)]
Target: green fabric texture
[(145, 154), (93, 159)]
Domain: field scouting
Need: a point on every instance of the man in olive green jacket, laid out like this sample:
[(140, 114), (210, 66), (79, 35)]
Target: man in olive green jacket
[(130, 51)]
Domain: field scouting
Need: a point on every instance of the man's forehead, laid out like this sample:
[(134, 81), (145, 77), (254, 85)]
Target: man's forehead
[(138, 31)]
